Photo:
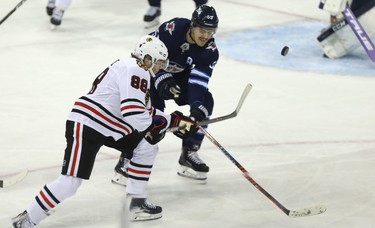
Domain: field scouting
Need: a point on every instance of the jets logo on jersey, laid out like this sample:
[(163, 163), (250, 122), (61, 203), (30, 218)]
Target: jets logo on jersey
[(211, 46), (170, 27)]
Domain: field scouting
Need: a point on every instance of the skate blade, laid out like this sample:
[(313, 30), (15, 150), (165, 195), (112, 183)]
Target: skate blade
[(152, 23), (119, 179), (140, 216), (192, 174)]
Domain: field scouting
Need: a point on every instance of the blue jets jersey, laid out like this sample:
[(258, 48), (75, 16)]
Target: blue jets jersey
[(198, 61)]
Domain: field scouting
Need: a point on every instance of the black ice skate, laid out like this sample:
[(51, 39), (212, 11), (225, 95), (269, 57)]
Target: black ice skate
[(22, 221), (56, 17), (151, 18), (50, 6), (192, 166), (140, 210), (121, 172)]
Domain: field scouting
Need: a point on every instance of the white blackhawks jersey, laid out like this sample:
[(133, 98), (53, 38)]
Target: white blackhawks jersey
[(119, 101)]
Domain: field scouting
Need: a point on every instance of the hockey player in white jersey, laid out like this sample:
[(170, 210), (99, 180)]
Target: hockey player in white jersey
[(117, 113), (339, 40)]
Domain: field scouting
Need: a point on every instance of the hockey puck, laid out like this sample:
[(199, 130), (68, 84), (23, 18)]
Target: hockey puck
[(284, 51)]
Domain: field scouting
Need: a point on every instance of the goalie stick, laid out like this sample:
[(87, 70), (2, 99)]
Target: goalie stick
[(12, 11), (291, 213), (359, 32), (234, 113), (12, 180)]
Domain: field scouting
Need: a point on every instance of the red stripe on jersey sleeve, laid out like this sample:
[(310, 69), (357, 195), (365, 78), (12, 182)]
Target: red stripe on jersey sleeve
[(132, 106)]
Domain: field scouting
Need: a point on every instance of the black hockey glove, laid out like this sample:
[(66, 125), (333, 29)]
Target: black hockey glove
[(156, 131), (167, 87), (198, 112), (182, 126)]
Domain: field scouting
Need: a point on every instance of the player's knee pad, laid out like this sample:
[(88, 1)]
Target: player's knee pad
[(145, 153), (65, 186)]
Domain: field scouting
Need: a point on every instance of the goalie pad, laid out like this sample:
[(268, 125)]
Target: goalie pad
[(339, 39), (334, 7)]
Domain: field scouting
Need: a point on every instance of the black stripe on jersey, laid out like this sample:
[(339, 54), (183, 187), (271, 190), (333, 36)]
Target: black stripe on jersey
[(107, 112), (51, 195), (98, 121), (132, 100), (132, 113), (138, 178), (139, 165)]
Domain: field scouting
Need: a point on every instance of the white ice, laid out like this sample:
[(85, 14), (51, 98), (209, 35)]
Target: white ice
[(307, 138)]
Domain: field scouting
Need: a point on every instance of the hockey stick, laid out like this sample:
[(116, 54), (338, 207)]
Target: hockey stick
[(220, 118), (12, 11), (291, 213), (231, 115), (11, 180), (359, 32)]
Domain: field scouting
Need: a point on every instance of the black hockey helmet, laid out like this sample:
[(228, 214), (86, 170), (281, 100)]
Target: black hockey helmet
[(205, 16)]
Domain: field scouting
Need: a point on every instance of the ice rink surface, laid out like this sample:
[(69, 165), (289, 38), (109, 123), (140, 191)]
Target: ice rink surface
[(304, 134)]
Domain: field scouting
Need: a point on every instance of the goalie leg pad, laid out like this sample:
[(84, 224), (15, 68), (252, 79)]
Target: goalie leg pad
[(339, 40)]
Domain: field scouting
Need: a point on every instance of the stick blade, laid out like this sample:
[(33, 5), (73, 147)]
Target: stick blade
[(307, 211), (11, 180), (231, 115), (243, 97)]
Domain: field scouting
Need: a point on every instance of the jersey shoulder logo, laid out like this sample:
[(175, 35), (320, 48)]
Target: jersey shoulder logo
[(147, 97), (170, 26)]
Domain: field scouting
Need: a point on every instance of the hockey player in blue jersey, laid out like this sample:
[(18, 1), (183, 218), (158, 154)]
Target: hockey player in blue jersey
[(192, 58)]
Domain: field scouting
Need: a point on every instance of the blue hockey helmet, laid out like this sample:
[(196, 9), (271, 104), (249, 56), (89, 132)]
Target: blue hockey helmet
[(205, 16)]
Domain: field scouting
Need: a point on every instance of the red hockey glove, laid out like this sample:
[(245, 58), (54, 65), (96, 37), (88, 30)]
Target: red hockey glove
[(156, 131)]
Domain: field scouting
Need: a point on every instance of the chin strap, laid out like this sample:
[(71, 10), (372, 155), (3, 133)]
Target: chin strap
[(191, 37), (151, 72)]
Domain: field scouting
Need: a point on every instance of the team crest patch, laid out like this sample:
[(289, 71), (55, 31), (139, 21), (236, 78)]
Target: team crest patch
[(170, 27), (147, 96)]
